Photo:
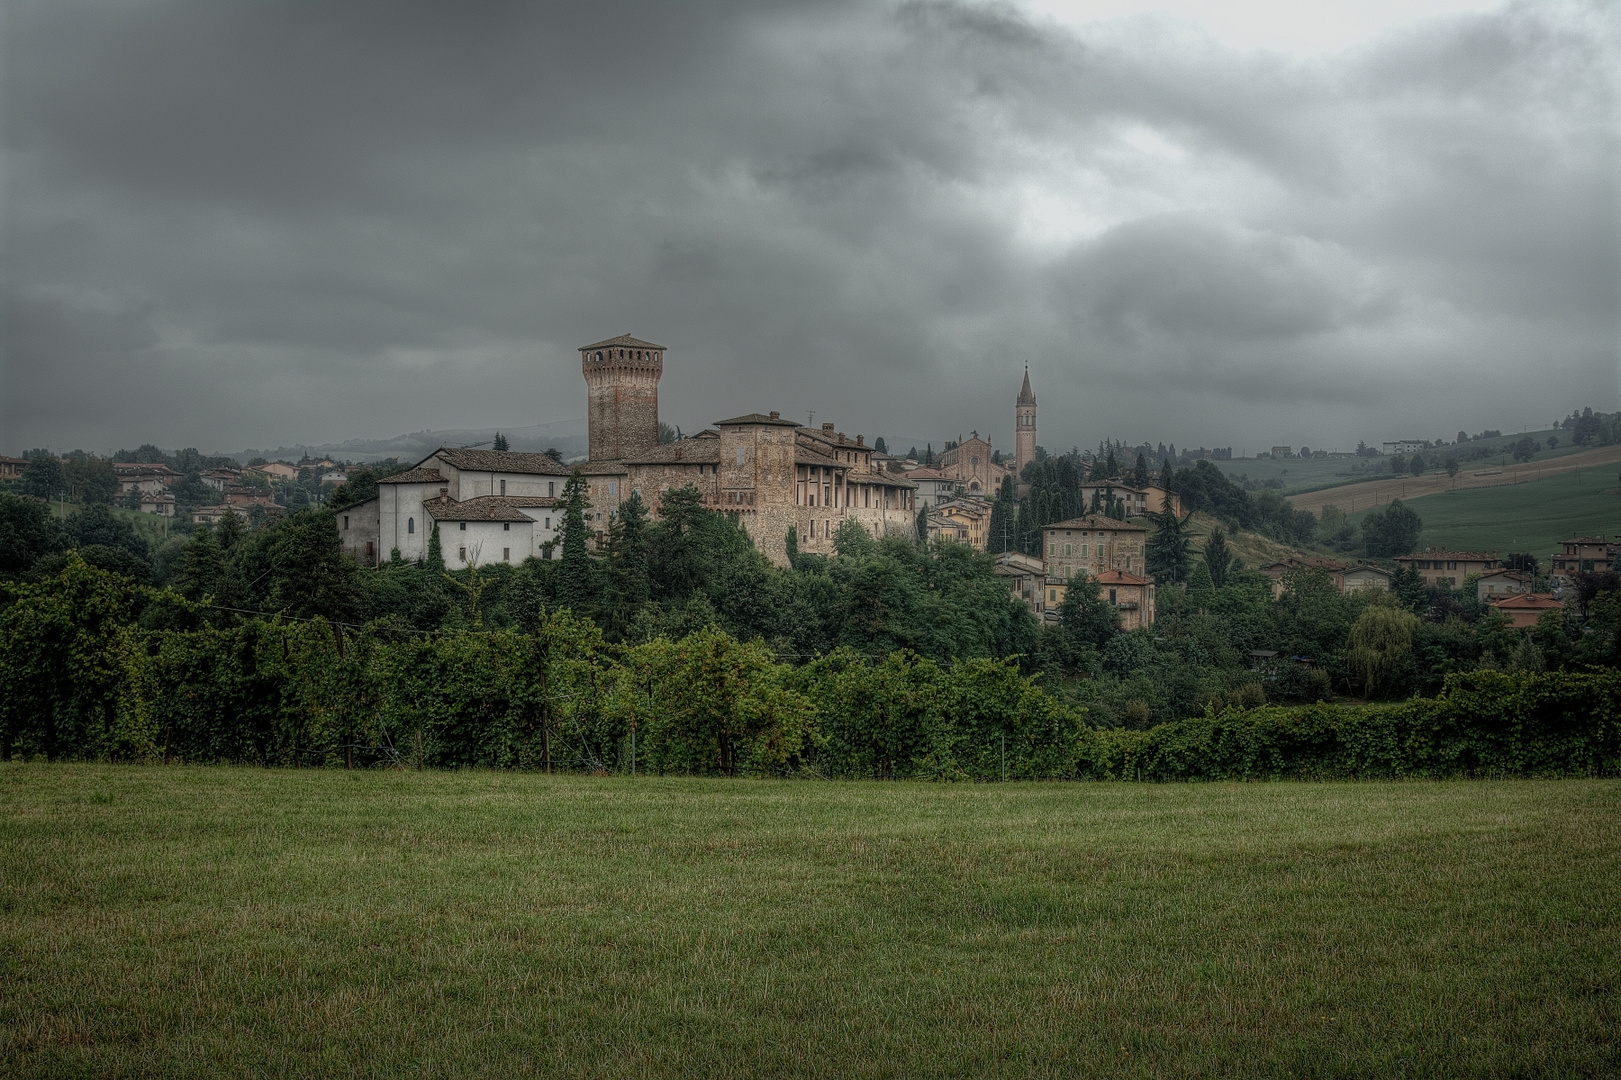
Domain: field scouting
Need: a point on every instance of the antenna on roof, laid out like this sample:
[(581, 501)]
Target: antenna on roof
[(810, 418)]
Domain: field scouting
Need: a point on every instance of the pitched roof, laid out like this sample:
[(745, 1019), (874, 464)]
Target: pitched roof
[(483, 508), (1096, 521), (1456, 556), (1025, 396), (623, 340), (417, 475), (928, 474), (1121, 577), (507, 461), (759, 418), (1528, 601)]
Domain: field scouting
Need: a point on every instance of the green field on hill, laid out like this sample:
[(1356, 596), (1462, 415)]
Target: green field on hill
[(1533, 516), (238, 922)]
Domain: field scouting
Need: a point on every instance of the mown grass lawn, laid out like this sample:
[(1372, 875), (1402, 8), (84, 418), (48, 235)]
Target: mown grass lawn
[(235, 922)]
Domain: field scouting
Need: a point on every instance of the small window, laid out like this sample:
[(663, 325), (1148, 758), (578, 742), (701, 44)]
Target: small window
[(346, 521), (506, 554), (1111, 596), (506, 526), (411, 525), (548, 523), (551, 489), (462, 525), (740, 455), (503, 487), (463, 553), (613, 487)]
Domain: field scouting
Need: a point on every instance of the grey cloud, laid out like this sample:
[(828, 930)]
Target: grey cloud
[(335, 220)]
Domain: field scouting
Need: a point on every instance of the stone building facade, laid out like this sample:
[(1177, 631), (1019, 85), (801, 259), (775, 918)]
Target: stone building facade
[(774, 475), (970, 464), (1093, 544)]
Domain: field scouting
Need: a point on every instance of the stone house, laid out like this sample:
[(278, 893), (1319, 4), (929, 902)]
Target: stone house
[(1438, 566), (965, 521), (1096, 493), (160, 503), (1025, 577), (1130, 594), (11, 468), (220, 479), (1581, 554), (970, 465), (1501, 583), (242, 497), (1093, 544)]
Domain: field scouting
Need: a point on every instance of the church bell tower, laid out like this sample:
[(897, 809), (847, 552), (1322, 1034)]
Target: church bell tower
[(1024, 445)]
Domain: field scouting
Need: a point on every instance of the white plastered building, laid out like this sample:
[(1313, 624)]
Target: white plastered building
[(491, 506)]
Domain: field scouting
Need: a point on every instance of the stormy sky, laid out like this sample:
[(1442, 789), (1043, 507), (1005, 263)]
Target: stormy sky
[(254, 224)]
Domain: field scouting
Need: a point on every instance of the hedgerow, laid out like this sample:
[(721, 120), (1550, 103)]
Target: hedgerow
[(91, 668)]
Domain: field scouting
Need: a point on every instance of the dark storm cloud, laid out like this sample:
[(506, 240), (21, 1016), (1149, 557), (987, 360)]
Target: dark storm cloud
[(253, 224)]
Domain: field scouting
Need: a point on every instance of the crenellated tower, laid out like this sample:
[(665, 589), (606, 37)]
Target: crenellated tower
[(1024, 447), (622, 383)]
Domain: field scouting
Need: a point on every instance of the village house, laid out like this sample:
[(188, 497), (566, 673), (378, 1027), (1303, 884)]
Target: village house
[(1093, 544), (1365, 579), (966, 521), (773, 474), (1130, 594), (1438, 566), (1024, 576), (1283, 451), (1584, 554), (160, 503), (1525, 609), (1156, 498), (1403, 446), (243, 497), (274, 471), (146, 477), (11, 468), (933, 486), (1501, 583), (220, 479), (1278, 573), (211, 515)]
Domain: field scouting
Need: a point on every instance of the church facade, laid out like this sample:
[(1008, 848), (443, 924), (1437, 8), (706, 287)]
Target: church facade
[(774, 475)]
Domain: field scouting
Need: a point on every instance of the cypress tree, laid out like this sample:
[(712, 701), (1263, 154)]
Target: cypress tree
[(436, 555), (574, 575), (1139, 475)]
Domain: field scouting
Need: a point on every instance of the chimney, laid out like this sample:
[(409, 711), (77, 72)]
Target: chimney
[(775, 415), (444, 493), (827, 426), (841, 438), (861, 440)]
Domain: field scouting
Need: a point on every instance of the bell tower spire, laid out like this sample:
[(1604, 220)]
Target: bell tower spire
[(1024, 443)]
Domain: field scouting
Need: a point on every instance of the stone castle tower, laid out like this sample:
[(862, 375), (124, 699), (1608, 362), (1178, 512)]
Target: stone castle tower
[(1024, 449), (622, 383)]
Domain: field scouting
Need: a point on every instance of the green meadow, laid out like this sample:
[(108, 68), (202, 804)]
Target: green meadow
[(222, 921), (1534, 516)]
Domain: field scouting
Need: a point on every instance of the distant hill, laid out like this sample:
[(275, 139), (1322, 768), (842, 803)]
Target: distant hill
[(567, 436)]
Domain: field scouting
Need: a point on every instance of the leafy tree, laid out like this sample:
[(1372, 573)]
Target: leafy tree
[(309, 573), (500, 442), (361, 484), (574, 585), (1392, 531), (627, 554), (1525, 449), (851, 539), (1218, 557), (98, 524), (1380, 645), (1169, 546), (1416, 464), (42, 477), (1084, 617), (90, 478), (1452, 464), (27, 533), (1407, 586)]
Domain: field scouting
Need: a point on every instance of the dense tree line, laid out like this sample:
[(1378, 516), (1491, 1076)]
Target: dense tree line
[(93, 667)]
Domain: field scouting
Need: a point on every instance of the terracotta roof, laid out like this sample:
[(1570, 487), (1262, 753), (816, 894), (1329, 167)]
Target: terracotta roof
[(1381, 571), (1121, 577), (687, 452), (928, 474), (600, 468), (1529, 601), (759, 418), (142, 466), (508, 461), (417, 475), (834, 438), (624, 340), (1025, 396), (1096, 521), (483, 508), (1456, 556)]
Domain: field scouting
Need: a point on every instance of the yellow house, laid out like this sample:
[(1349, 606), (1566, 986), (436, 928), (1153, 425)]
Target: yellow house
[(1093, 544)]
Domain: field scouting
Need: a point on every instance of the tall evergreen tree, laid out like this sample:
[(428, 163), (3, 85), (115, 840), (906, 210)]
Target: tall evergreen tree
[(1169, 546), (1218, 557), (500, 442), (574, 575), (879, 445), (436, 554), (1139, 475), (1003, 512)]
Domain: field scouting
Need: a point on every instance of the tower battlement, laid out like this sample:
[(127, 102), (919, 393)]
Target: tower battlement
[(622, 388)]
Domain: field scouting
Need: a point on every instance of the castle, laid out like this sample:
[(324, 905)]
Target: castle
[(774, 474)]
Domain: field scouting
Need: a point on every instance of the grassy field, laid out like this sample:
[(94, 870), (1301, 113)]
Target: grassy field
[(1530, 517), (233, 922)]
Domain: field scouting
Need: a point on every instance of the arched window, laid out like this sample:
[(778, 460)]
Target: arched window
[(599, 356), (410, 525)]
